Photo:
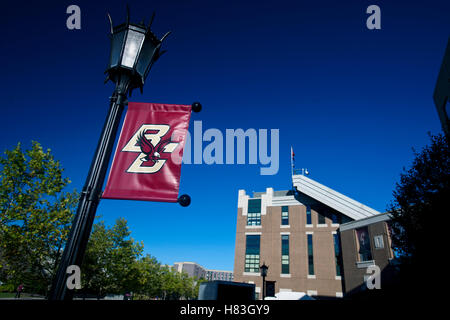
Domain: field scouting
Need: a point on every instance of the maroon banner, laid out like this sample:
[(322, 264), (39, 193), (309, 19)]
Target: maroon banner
[(147, 161)]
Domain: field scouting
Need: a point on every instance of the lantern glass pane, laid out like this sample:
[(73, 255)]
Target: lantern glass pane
[(132, 46), (116, 48), (145, 57)]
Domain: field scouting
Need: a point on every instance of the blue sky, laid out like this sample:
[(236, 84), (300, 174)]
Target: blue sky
[(351, 101)]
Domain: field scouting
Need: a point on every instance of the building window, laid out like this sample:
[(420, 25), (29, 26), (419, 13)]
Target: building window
[(378, 242), (254, 212), (284, 215), (310, 255), (254, 219), (363, 244), (337, 254), (285, 254), (308, 214), (321, 218), (252, 253)]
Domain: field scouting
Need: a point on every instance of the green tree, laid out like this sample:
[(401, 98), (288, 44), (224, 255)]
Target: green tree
[(419, 212), (96, 261), (111, 264), (150, 280), (169, 284), (35, 216), (176, 285), (197, 287), (187, 286), (164, 283)]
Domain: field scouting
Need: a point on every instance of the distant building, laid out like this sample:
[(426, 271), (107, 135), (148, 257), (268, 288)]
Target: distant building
[(297, 235), (195, 270), (441, 94), (212, 275), (191, 268)]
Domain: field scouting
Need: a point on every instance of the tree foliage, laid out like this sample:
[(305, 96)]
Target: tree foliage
[(35, 220), (113, 264), (109, 264), (420, 206), (176, 285), (35, 215)]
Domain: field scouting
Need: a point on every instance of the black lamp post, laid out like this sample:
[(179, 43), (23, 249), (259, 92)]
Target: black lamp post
[(134, 49), (264, 269)]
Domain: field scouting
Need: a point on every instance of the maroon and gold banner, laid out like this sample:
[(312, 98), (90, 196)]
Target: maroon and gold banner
[(147, 161)]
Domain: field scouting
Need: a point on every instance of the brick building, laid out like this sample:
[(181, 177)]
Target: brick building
[(297, 235)]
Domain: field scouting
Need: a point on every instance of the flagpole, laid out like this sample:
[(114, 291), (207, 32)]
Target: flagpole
[(292, 161), (292, 166)]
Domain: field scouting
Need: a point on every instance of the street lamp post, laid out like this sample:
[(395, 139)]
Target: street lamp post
[(264, 269), (134, 49)]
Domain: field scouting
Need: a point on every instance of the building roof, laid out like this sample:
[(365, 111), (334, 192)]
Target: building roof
[(351, 208), (200, 266), (365, 222), (186, 262), (281, 193)]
